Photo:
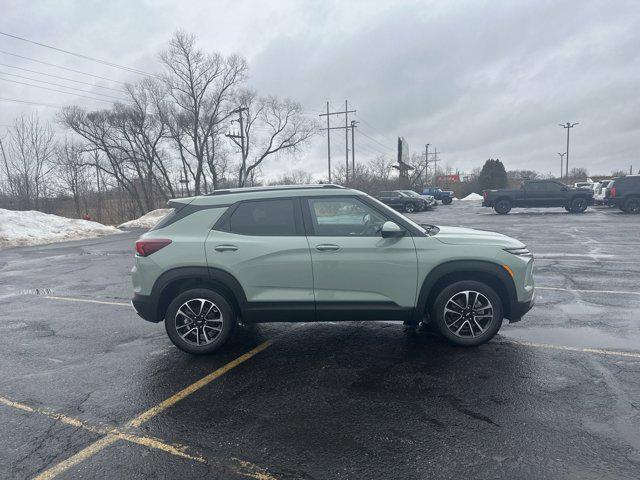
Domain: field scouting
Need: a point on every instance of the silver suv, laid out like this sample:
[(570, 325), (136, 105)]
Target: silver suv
[(321, 253)]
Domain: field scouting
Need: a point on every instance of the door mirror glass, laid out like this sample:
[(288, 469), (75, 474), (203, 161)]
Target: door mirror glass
[(391, 229)]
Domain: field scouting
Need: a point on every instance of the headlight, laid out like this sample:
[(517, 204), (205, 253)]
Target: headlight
[(521, 252)]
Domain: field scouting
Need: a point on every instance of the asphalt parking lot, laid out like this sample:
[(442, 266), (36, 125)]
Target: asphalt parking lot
[(87, 389)]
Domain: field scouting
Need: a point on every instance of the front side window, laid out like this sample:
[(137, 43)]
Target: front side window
[(264, 217), (347, 217), (553, 187)]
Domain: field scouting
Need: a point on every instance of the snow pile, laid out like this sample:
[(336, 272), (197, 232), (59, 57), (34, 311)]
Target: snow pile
[(36, 228), (473, 197), (148, 220)]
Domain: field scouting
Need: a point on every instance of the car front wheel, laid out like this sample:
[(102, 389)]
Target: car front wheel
[(409, 208), (199, 321), (467, 313), (447, 200)]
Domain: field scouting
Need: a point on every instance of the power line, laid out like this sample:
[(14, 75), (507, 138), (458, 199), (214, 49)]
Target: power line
[(379, 143), (28, 102), (79, 55), (55, 90), (61, 78), (61, 67), (61, 85), (376, 130)]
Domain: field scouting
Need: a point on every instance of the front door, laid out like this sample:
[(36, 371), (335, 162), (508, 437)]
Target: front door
[(358, 275), (262, 244)]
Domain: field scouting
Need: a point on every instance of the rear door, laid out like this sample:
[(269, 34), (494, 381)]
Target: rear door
[(262, 244), (357, 273)]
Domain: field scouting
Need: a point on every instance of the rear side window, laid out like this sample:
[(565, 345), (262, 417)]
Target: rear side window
[(264, 217)]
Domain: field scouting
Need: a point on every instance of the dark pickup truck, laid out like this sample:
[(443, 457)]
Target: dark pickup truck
[(624, 192), (539, 193), (445, 196)]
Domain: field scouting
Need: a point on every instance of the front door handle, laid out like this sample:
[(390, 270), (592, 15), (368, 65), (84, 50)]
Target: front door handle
[(327, 247), (225, 248)]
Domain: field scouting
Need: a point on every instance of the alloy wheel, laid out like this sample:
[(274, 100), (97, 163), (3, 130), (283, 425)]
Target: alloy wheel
[(468, 314), (198, 321)]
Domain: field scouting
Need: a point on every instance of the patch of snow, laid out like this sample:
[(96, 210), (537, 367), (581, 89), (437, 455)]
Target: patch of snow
[(473, 197), (148, 220), (36, 228)]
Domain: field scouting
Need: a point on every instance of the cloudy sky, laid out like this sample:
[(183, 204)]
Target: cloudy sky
[(474, 79)]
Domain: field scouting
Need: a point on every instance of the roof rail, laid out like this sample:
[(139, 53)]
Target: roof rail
[(227, 191)]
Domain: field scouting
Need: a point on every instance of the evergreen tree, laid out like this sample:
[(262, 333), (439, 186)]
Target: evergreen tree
[(492, 176)]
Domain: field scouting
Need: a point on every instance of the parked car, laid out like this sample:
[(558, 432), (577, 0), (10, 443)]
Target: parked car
[(539, 193), (403, 202), (445, 196), (600, 192), (624, 192), (427, 198), (321, 253)]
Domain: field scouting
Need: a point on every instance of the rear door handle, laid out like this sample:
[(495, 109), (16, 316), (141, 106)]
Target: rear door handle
[(225, 248), (327, 247)]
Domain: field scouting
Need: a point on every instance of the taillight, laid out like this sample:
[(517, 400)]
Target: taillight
[(484, 194), (145, 247), (612, 192)]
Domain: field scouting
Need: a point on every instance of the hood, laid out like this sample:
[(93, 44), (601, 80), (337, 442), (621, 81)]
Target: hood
[(469, 236)]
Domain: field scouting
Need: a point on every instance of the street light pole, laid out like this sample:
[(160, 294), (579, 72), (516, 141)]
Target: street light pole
[(561, 157), (568, 126)]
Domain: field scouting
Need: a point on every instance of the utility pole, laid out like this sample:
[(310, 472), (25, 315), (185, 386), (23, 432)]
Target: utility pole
[(426, 164), (353, 148), (234, 138), (568, 126), (561, 158), (346, 134), (435, 163)]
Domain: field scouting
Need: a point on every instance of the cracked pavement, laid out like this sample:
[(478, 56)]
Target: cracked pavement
[(334, 400)]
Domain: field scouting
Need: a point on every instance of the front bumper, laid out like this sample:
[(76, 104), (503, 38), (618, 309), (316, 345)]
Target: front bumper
[(145, 307), (519, 309)]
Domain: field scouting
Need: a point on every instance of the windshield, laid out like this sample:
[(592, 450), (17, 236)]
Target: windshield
[(410, 193)]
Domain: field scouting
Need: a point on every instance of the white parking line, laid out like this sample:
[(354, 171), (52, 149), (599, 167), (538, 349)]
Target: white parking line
[(599, 351), (618, 292), (87, 300)]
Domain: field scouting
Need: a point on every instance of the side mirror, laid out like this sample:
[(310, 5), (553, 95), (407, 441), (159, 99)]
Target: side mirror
[(392, 229)]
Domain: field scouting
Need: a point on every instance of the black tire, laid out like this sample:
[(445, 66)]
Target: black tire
[(578, 205), (227, 320), (447, 200), (409, 207), (632, 205), (567, 209), (443, 324), (502, 206)]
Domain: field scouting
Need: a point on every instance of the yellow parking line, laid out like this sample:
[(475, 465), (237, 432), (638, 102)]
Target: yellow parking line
[(87, 300), (598, 351), (111, 438), (139, 439), (620, 292), (173, 399)]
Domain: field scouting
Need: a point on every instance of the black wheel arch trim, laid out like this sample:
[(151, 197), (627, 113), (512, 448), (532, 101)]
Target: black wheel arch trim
[(462, 267)]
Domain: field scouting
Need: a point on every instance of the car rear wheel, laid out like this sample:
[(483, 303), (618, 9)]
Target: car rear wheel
[(502, 207), (578, 205), (447, 200), (467, 313), (199, 321), (409, 208), (632, 205)]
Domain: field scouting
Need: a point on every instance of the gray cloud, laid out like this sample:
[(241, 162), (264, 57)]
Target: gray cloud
[(475, 79)]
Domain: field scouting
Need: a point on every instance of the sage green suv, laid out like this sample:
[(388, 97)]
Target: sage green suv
[(321, 253)]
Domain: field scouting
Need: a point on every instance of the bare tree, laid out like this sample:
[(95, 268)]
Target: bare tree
[(198, 97), (72, 172), (269, 126), (27, 163), (295, 177)]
